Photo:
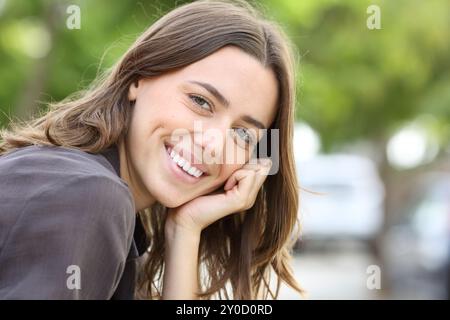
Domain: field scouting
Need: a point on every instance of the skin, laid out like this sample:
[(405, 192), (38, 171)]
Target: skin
[(169, 102)]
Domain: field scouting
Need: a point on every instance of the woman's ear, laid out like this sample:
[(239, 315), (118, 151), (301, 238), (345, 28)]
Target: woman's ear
[(132, 91)]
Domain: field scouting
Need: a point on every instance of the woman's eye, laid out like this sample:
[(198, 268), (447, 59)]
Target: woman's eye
[(201, 102), (244, 135)]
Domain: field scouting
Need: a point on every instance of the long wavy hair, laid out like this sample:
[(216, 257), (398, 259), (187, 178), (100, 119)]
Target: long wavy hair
[(239, 253)]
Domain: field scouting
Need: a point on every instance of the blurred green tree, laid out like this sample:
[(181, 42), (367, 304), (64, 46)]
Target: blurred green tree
[(356, 83)]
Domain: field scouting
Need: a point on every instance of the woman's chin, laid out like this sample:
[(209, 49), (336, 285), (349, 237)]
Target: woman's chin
[(171, 197), (172, 201)]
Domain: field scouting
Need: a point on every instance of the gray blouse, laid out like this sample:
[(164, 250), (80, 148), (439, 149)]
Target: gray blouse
[(68, 226)]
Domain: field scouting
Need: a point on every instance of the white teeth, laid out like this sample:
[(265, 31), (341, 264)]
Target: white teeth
[(185, 165), (197, 173)]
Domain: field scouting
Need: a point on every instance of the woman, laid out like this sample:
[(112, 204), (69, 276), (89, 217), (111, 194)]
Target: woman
[(202, 82)]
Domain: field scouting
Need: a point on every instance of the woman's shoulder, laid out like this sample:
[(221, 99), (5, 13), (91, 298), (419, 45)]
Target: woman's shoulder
[(57, 159), (58, 170), (62, 207), (62, 187)]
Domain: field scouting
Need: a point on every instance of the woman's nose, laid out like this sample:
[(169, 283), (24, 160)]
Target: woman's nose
[(212, 140)]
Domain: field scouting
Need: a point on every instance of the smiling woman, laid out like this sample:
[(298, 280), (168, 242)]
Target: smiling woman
[(132, 144)]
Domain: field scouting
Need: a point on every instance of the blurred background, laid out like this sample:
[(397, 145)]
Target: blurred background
[(372, 139)]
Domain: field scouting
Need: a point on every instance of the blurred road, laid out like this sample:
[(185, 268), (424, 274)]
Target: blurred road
[(332, 275)]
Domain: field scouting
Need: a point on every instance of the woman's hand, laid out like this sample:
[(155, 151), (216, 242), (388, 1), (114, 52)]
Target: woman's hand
[(239, 194), (185, 223)]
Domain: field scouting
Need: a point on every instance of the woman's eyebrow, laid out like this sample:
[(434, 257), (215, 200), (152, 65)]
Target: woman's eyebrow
[(253, 121), (213, 91)]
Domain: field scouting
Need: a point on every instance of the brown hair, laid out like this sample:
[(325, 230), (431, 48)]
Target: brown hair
[(240, 251)]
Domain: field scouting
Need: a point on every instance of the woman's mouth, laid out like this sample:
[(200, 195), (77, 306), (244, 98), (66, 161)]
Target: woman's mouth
[(182, 168)]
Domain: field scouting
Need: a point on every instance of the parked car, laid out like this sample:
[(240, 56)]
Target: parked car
[(341, 197), (417, 246)]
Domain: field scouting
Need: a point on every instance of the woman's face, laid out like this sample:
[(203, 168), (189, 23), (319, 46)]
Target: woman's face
[(210, 114)]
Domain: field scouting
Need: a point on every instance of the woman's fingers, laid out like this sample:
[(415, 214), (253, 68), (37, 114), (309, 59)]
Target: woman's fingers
[(260, 176), (260, 164), (261, 168), (238, 176), (249, 180)]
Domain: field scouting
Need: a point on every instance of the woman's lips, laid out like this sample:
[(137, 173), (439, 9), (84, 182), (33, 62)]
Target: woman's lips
[(189, 156), (179, 172)]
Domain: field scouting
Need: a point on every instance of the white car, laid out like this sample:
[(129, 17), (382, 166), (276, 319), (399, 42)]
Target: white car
[(341, 197)]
